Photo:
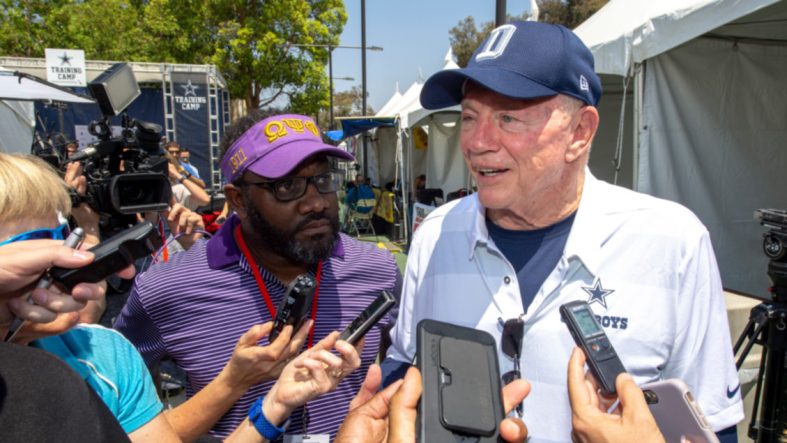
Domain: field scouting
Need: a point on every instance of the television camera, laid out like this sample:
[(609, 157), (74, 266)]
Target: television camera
[(126, 174)]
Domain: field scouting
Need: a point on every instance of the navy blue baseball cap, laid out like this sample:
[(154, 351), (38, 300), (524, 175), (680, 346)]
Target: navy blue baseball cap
[(524, 60)]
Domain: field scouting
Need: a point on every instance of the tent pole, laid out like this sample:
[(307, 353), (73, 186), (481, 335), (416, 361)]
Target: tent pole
[(639, 80)]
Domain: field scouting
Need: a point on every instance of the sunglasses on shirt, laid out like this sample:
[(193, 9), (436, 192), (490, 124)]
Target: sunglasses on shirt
[(58, 233), (511, 343)]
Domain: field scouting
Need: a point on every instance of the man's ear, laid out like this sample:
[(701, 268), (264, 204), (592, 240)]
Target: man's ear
[(586, 126), (234, 196)]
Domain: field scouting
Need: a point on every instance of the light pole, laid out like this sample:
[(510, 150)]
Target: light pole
[(330, 94), (330, 70)]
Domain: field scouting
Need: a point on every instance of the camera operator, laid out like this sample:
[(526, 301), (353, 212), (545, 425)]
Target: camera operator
[(183, 156), (184, 189)]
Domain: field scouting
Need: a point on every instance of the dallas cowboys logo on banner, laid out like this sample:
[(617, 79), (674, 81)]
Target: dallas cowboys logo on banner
[(65, 67), (190, 105)]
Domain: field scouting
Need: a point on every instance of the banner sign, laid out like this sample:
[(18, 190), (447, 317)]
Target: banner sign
[(192, 130), (65, 67), (420, 211)]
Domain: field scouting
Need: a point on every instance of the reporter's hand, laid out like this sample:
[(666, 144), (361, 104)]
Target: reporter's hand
[(390, 415), (367, 419), (311, 374), (23, 263), (252, 364), (182, 220), (404, 410), (632, 422)]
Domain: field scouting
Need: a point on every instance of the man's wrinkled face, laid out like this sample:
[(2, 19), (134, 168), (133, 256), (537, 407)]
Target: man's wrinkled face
[(516, 149), (303, 230)]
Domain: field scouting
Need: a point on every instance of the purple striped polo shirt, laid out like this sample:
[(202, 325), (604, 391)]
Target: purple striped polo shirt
[(194, 308)]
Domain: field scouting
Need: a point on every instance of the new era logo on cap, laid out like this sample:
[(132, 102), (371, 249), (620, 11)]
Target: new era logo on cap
[(525, 60), (583, 83)]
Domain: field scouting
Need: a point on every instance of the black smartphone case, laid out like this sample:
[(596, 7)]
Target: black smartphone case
[(461, 398)]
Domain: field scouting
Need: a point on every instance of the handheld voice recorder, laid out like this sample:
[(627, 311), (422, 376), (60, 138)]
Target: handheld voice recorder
[(588, 335)]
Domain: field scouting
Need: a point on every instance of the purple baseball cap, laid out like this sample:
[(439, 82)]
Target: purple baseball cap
[(524, 60), (274, 146)]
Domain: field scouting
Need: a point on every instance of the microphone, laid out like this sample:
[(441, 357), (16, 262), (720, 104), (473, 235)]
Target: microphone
[(86, 153)]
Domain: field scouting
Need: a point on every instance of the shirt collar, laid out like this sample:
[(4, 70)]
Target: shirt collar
[(587, 233), (478, 235), (222, 250), (585, 237)]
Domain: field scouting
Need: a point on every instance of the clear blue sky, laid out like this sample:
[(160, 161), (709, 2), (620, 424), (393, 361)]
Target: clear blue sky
[(413, 35)]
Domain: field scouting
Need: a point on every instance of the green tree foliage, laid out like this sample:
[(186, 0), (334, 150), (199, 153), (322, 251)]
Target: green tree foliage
[(349, 103), (569, 13), (465, 37), (253, 43)]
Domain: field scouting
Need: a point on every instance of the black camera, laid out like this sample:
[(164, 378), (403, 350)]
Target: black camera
[(126, 174), (773, 245)]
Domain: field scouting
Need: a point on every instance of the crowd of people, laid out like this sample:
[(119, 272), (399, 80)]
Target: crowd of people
[(539, 232)]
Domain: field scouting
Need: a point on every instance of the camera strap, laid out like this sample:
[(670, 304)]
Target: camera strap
[(255, 269)]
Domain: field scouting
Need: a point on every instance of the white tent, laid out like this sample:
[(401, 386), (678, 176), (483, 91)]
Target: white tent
[(17, 120), (443, 163), (17, 123), (709, 120)]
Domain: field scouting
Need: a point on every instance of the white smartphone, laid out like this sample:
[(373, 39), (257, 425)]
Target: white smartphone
[(679, 417)]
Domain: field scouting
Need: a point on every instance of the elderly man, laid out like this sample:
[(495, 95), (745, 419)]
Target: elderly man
[(542, 231), (193, 309)]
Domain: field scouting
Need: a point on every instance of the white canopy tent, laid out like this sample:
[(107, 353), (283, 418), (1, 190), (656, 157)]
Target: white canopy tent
[(709, 115), (17, 120)]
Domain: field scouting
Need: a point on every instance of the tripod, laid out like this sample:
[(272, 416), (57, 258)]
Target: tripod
[(767, 327)]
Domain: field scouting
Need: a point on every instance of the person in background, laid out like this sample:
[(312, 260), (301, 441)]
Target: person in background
[(185, 190), (542, 231), (361, 196), (183, 157)]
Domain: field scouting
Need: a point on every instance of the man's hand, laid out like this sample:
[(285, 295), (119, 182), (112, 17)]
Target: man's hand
[(252, 364), (86, 217), (398, 406), (181, 220), (368, 416), (631, 422), (311, 374)]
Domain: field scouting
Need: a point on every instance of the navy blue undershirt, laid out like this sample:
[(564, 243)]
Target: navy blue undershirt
[(533, 254)]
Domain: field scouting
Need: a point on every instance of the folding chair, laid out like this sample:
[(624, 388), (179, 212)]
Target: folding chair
[(359, 217)]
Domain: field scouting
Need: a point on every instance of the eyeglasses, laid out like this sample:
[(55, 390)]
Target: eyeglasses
[(293, 188), (511, 342), (58, 233)]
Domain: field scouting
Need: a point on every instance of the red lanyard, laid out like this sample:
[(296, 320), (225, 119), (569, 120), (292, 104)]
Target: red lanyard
[(264, 291)]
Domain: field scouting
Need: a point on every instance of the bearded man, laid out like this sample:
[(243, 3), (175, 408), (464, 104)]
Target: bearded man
[(194, 308)]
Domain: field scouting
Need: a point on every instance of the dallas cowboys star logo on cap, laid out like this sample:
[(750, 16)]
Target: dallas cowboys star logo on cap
[(597, 293)]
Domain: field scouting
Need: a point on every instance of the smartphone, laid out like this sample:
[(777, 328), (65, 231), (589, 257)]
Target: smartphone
[(112, 255), (676, 412), (295, 306), (461, 384), (587, 333), (368, 318)]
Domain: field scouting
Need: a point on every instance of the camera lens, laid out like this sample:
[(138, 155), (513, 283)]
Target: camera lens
[(650, 397), (773, 247)]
